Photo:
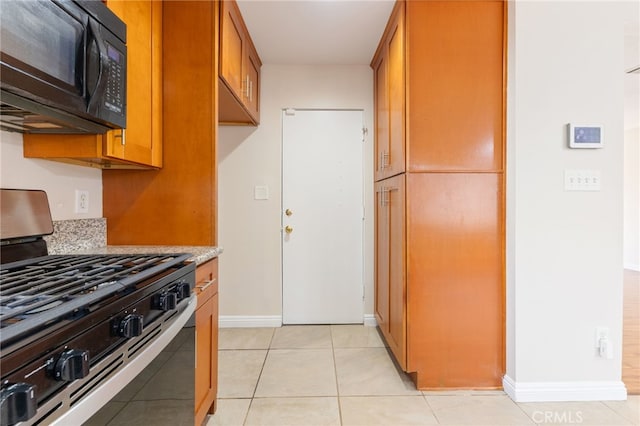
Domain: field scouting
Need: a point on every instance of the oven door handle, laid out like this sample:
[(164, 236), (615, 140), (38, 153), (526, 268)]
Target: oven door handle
[(206, 285)]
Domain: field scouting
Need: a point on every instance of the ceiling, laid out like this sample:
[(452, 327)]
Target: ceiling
[(346, 32)]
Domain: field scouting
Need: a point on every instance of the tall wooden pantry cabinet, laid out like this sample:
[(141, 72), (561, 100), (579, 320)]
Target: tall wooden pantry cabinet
[(439, 111)]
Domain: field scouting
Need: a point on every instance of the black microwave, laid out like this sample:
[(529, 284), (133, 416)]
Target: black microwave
[(63, 67)]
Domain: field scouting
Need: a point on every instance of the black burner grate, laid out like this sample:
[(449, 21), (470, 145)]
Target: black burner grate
[(36, 291)]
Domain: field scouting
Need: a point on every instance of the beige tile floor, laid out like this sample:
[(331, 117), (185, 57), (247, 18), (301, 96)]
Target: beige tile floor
[(343, 375)]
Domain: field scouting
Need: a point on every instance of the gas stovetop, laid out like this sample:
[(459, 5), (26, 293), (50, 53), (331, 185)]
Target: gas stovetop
[(37, 291)]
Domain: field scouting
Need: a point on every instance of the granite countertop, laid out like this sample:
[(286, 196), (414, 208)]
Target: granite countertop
[(200, 253), (89, 236)]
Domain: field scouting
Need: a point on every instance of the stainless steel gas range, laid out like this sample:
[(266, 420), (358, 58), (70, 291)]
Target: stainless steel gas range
[(75, 329)]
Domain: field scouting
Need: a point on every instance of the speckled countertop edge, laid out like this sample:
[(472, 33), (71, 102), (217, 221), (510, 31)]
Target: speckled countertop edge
[(200, 254), (89, 236)]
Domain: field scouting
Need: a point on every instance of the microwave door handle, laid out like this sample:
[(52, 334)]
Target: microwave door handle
[(100, 82)]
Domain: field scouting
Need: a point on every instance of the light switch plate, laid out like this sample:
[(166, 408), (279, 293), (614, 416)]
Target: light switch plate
[(582, 180), (261, 192)]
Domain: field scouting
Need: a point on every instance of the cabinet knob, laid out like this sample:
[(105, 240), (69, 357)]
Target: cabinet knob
[(288, 212), (288, 229)]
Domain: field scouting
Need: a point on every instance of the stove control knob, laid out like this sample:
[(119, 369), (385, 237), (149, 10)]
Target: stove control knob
[(131, 326), (183, 289), (167, 301), (72, 365), (17, 403)]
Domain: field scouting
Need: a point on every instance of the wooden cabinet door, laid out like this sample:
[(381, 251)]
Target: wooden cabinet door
[(252, 92), (382, 258), (381, 100), (142, 136), (390, 300), (455, 85), (232, 48), (395, 163), (455, 269), (206, 319), (397, 275), (389, 97)]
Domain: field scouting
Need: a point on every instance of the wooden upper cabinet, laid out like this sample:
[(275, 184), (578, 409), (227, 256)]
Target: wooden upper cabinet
[(239, 69), (389, 69), (232, 47), (455, 85), (438, 81), (139, 146)]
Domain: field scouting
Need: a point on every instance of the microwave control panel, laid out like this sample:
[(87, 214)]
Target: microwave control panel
[(114, 95)]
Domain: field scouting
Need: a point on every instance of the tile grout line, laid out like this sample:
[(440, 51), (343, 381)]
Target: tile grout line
[(264, 362), (335, 373)]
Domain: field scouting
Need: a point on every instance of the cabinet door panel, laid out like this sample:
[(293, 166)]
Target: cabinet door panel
[(206, 318), (455, 272), (397, 276), (205, 326), (252, 97), (396, 160), (382, 258), (455, 87), (136, 145), (381, 113), (232, 50)]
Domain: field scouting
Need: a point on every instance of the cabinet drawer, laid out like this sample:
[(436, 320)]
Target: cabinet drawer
[(206, 280)]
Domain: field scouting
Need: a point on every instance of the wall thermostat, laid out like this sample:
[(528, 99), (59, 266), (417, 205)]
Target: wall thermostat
[(584, 136)]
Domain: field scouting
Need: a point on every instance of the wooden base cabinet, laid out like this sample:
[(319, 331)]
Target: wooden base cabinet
[(206, 318), (439, 293), (390, 299)]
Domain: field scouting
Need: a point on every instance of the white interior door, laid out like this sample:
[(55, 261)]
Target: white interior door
[(322, 217)]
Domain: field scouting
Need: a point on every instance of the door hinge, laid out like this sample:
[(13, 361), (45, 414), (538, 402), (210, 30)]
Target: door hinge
[(290, 111), (365, 132)]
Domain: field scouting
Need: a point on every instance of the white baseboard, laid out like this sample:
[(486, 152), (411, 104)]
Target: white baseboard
[(370, 320), (564, 391), (237, 321), (632, 266)]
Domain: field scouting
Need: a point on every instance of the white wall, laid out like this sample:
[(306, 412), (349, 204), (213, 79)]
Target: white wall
[(632, 199), (59, 180), (564, 249), (249, 230)]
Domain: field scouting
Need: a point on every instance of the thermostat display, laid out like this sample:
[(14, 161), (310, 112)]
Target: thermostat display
[(585, 136)]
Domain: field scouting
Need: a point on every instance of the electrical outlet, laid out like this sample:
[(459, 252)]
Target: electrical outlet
[(82, 201)]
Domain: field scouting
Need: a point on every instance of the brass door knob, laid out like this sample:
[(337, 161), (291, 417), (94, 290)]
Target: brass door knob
[(288, 212), (288, 229)]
